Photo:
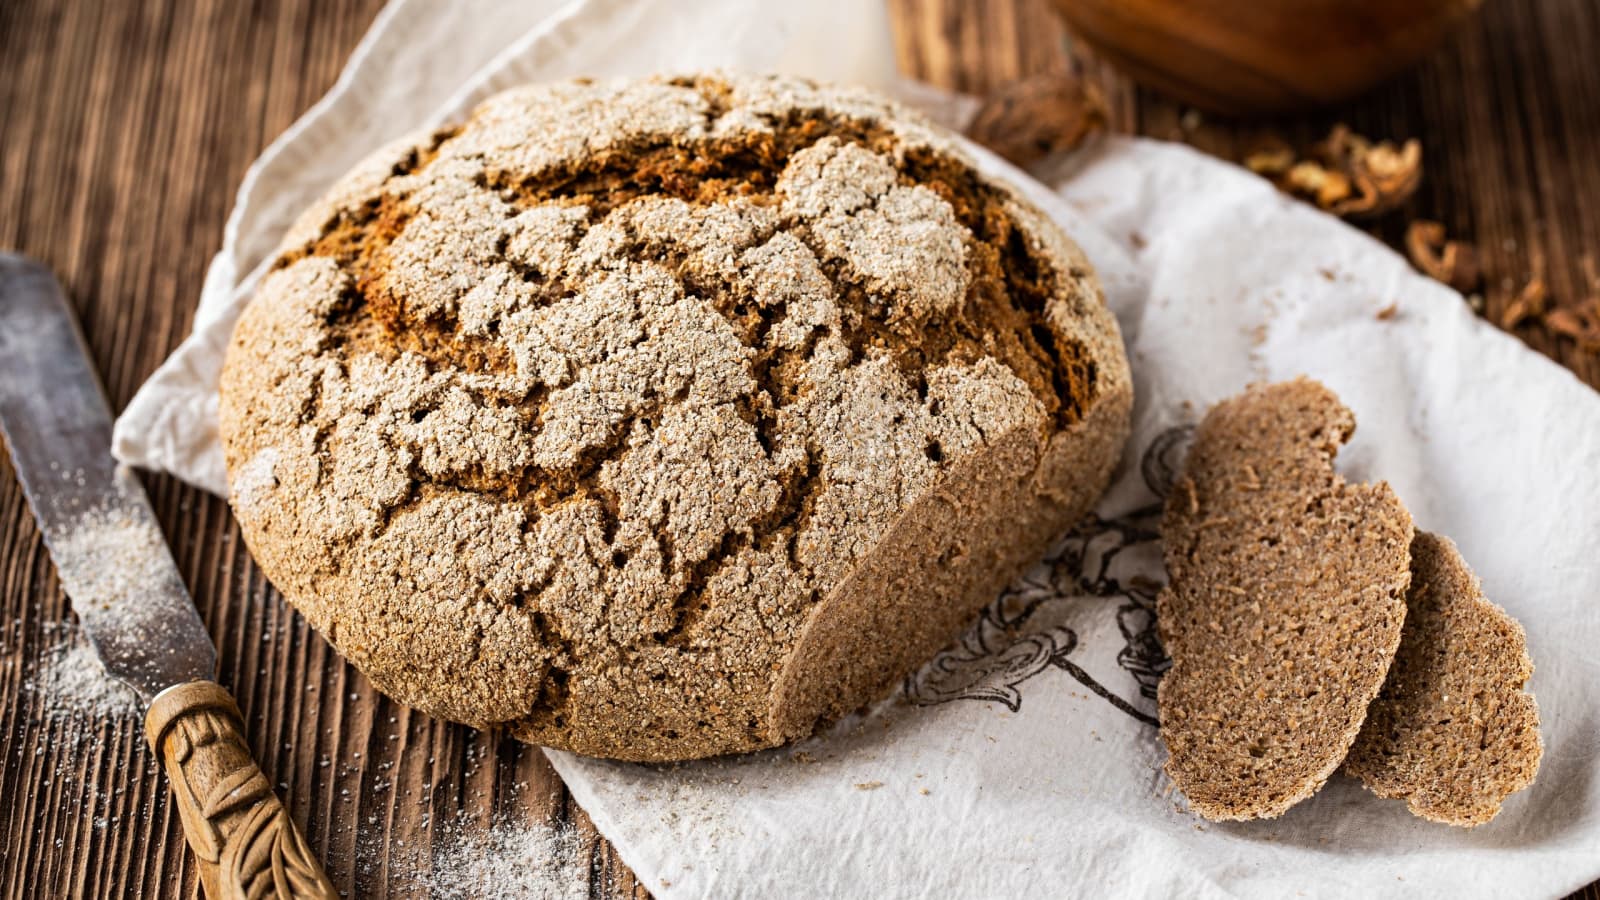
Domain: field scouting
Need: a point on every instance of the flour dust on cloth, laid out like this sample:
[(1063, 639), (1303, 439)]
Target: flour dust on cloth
[(1023, 760)]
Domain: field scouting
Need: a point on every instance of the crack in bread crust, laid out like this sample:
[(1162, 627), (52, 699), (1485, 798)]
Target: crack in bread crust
[(692, 343)]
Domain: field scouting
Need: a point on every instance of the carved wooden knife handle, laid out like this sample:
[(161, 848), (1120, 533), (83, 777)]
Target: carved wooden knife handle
[(247, 845)]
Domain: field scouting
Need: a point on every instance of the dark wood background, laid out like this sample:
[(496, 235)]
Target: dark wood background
[(124, 130)]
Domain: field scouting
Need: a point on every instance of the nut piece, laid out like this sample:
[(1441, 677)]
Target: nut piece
[(1328, 188), (1271, 157), (1385, 176), (1346, 173), (1038, 116), (1581, 324), (1529, 304), (1451, 262)]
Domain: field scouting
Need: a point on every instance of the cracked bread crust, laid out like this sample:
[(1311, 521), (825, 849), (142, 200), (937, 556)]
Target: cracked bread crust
[(663, 419)]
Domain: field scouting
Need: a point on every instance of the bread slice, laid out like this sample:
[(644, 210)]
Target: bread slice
[(1453, 732), (1284, 606)]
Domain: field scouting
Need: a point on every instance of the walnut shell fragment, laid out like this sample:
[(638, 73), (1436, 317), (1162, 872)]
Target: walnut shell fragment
[(1326, 187), (1452, 262), (1581, 324), (1035, 117), (1384, 175), (1270, 157), (1345, 174), (1529, 304)]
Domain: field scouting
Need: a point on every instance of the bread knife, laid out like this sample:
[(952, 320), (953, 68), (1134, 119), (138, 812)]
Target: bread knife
[(131, 603)]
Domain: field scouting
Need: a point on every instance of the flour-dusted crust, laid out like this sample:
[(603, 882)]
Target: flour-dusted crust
[(661, 419), (1453, 732), (1284, 606)]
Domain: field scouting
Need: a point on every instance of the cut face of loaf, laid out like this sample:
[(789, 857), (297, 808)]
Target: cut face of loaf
[(661, 419), (1284, 605), (1453, 732)]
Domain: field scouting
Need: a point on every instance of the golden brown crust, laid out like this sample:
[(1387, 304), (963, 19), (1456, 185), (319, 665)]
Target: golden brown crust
[(589, 417), (1284, 605), (1453, 732)]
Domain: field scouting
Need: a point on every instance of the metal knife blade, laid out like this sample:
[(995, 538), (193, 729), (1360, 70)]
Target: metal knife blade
[(97, 522)]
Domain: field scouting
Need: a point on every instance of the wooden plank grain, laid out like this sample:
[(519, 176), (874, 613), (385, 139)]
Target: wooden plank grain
[(127, 129)]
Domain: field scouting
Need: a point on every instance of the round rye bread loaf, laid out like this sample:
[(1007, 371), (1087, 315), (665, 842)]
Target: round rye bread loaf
[(663, 419)]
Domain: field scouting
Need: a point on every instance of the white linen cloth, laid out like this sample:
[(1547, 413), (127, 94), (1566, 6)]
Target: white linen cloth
[(1022, 763)]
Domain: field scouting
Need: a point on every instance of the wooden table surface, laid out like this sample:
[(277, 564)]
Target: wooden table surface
[(124, 130)]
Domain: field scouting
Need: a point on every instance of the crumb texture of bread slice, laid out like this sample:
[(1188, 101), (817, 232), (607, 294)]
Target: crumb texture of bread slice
[(1284, 606), (1453, 732)]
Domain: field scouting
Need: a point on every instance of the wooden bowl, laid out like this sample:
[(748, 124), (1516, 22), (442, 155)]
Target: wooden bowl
[(1263, 56)]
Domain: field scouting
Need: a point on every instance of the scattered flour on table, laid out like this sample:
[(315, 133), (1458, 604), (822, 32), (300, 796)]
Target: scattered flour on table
[(72, 680), (510, 862), (114, 567), (116, 570)]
